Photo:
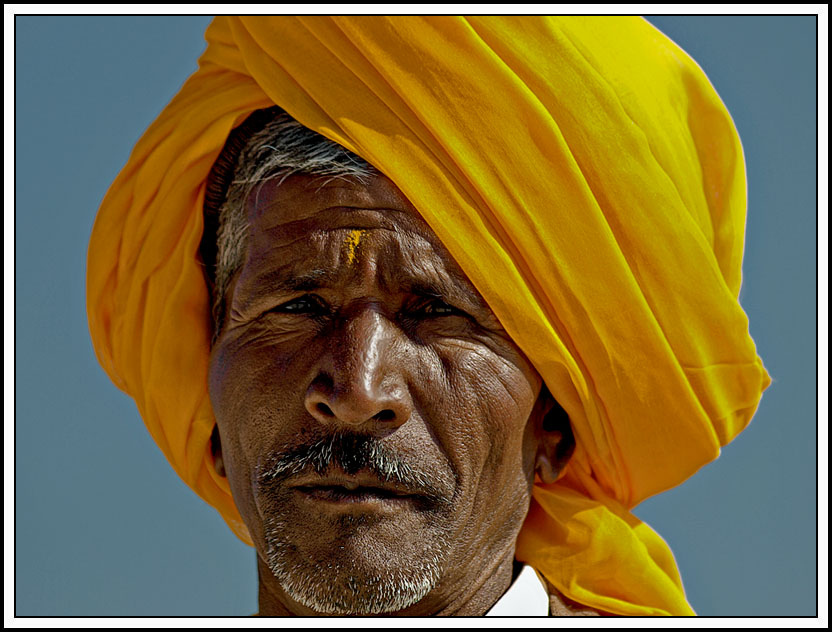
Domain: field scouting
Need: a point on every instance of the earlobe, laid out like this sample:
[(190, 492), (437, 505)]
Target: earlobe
[(545, 469), (216, 450), (556, 443)]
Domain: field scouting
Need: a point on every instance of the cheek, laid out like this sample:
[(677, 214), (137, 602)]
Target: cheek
[(250, 393), (488, 396), (228, 389), (255, 380)]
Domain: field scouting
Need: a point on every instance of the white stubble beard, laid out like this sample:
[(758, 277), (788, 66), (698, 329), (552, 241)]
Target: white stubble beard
[(343, 587)]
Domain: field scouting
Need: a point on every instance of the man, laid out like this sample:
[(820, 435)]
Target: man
[(389, 431), (562, 203)]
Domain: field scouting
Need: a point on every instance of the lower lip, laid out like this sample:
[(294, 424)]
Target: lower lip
[(362, 495)]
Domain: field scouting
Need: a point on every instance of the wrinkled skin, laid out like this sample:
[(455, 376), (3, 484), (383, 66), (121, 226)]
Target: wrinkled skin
[(350, 319)]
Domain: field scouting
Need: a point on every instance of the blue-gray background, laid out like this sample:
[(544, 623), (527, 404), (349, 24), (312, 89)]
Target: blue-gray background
[(104, 527)]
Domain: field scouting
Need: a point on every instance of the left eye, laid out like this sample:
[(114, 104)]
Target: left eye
[(437, 308)]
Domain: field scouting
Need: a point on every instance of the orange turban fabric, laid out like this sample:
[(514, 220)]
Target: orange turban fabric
[(582, 172)]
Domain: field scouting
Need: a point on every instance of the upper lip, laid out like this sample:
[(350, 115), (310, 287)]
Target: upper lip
[(350, 482)]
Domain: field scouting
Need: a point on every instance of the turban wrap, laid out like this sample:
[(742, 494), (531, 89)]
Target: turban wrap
[(583, 173)]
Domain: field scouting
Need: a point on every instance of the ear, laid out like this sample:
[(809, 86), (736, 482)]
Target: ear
[(216, 450), (555, 441)]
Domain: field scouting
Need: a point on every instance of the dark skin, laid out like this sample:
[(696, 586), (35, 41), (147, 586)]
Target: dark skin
[(349, 318)]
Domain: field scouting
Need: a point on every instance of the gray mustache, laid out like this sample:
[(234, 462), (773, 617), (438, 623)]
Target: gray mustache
[(352, 453)]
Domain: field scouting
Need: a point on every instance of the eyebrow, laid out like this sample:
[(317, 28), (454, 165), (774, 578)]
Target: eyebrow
[(278, 282), (443, 287)]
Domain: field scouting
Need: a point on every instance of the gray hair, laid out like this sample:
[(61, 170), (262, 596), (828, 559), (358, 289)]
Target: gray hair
[(282, 148)]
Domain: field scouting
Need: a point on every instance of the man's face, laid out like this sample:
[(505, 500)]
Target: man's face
[(374, 417)]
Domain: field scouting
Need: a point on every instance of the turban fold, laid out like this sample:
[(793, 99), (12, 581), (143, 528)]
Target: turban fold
[(583, 173)]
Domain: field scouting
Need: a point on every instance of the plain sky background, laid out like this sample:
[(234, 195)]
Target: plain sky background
[(103, 526)]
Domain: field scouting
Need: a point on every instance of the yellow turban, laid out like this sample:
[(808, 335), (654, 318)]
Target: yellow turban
[(582, 172)]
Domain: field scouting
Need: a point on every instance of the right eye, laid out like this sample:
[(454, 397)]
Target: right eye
[(306, 304)]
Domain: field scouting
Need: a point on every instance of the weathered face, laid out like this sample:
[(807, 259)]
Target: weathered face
[(374, 416)]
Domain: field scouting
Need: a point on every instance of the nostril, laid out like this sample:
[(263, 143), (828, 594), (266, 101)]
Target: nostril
[(385, 415), (325, 410)]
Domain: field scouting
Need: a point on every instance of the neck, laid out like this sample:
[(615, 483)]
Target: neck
[(475, 598)]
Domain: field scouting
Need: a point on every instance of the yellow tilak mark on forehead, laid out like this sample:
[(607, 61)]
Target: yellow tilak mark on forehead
[(351, 244)]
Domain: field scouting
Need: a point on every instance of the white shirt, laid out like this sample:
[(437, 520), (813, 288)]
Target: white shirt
[(526, 597)]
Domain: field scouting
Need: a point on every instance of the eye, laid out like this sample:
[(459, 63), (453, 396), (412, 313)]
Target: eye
[(306, 304), (435, 308)]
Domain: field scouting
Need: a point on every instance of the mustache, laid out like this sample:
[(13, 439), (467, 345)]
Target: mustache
[(353, 453)]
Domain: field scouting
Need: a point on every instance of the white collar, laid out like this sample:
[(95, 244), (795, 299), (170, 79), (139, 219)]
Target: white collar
[(526, 597)]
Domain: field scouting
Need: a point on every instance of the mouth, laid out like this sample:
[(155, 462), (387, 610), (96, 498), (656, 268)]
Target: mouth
[(338, 494), (343, 489)]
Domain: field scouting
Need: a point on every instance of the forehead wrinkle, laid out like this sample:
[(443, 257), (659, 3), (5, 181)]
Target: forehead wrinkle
[(270, 199), (350, 217), (325, 190)]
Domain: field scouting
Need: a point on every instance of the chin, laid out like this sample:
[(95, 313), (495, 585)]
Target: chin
[(356, 574)]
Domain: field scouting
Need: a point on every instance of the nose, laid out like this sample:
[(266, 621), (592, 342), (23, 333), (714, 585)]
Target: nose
[(360, 382)]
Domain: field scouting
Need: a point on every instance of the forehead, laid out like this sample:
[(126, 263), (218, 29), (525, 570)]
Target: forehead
[(323, 224), (306, 204)]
